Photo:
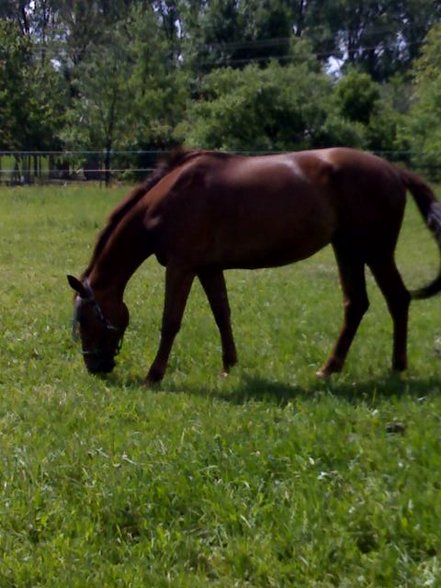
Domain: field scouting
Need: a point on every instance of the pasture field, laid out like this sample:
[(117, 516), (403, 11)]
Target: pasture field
[(268, 478)]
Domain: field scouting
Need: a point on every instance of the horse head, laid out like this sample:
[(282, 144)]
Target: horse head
[(99, 325)]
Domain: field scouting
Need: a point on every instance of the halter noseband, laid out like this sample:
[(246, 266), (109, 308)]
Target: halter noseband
[(99, 314)]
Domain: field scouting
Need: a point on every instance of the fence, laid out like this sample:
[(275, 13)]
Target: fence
[(30, 167)]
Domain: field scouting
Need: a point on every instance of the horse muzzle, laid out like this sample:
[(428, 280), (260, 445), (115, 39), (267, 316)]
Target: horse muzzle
[(99, 364)]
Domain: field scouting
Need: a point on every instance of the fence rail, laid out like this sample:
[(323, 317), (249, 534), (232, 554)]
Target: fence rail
[(30, 167)]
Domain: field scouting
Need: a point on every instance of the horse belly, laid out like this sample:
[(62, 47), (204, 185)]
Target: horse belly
[(273, 237), (270, 251), (246, 217)]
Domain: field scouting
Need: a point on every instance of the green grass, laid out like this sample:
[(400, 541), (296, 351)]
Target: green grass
[(266, 478)]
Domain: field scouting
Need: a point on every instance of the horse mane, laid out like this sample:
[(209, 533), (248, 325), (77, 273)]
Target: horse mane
[(175, 158)]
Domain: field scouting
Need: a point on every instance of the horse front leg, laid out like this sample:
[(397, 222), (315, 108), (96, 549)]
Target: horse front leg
[(213, 283), (178, 283)]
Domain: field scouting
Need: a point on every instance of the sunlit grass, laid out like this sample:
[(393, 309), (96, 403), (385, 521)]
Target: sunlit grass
[(266, 478)]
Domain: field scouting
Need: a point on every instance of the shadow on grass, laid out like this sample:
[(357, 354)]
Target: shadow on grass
[(252, 388)]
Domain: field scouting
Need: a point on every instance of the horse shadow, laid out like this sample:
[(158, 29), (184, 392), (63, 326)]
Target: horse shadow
[(261, 389), (250, 388)]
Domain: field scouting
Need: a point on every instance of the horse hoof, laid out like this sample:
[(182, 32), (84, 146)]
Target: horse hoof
[(223, 374), (151, 383), (323, 374)]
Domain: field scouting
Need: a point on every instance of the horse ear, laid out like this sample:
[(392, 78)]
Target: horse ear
[(77, 286)]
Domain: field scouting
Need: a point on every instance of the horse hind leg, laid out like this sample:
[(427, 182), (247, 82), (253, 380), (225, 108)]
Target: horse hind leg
[(213, 282), (355, 302), (397, 298)]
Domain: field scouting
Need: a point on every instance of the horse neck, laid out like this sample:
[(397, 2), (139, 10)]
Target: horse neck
[(124, 252)]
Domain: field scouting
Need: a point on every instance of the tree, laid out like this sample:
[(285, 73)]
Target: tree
[(270, 109), (380, 38), (17, 12), (14, 60), (159, 85), (125, 93), (358, 96), (235, 33), (31, 95), (121, 72), (99, 114), (373, 107), (421, 133)]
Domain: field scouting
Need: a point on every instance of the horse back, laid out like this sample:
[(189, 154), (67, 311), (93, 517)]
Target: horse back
[(237, 211)]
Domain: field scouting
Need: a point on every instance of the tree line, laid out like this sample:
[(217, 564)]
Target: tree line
[(243, 75)]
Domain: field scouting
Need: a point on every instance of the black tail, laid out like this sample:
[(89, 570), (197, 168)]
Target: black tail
[(430, 209)]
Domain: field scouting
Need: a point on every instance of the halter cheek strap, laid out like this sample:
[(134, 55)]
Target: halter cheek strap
[(98, 311)]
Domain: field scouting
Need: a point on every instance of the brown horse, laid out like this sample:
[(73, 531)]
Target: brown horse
[(203, 212)]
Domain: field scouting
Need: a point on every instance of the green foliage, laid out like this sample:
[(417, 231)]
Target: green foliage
[(428, 65), (228, 32), (358, 96), (140, 75), (31, 96), (371, 108), (421, 131), (381, 133), (99, 114), (266, 478), (159, 90), (274, 108), (126, 92), (379, 38), (12, 61)]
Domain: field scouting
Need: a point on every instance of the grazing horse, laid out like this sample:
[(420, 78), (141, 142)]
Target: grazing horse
[(202, 212)]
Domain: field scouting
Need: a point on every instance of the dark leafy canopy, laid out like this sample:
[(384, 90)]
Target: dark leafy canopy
[(14, 56), (234, 33), (381, 38), (272, 108), (31, 94), (421, 133), (235, 74)]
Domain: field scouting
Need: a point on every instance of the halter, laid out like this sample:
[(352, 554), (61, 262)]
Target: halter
[(99, 314)]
